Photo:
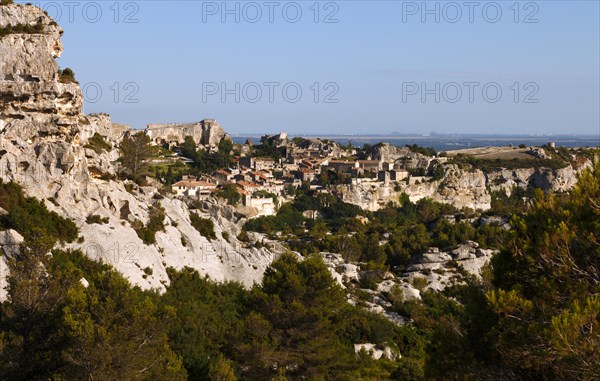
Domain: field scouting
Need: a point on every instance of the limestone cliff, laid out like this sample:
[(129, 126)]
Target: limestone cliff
[(33, 102), (43, 134), (461, 187), (207, 132)]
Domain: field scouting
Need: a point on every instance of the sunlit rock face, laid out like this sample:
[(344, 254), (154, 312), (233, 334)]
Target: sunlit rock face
[(43, 138), (206, 133), (33, 101)]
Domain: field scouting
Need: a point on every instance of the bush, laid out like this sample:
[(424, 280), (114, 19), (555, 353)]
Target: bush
[(427, 151), (27, 213), (419, 283), (287, 219), (230, 193), (6, 2), (22, 29), (96, 219), (98, 144), (66, 76), (155, 224), (205, 226), (409, 370)]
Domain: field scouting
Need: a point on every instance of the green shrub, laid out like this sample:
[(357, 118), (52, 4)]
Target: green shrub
[(66, 76), (230, 193), (22, 29), (204, 226), (98, 144), (287, 219), (370, 280), (427, 151), (27, 213), (6, 2), (419, 283), (96, 219), (156, 217)]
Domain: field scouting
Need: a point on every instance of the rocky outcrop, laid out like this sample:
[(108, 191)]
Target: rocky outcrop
[(33, 102), (441, 269), (377, 352), (506, 179), (43, 138), (555, 180), (433, 270), (389, 153), (207, 132), (461, 188)]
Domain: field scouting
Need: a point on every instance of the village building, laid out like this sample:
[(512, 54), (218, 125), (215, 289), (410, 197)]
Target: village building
[(193, 188), (370, 165), (342, 166), (249, 187)]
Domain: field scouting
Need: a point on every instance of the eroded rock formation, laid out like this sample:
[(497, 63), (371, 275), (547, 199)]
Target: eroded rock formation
[(43, 138), (207, 132)]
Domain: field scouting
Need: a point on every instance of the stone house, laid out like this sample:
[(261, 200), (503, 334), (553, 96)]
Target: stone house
[(193, 188)]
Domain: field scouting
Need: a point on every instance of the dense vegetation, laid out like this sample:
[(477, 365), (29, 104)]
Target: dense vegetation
[(534, 315), (54, 327), (147, 232), (29, 215), (230, 193), (204, 161), (204, 226), (296, 325), (269, 148), (96, 219), (405, 231)]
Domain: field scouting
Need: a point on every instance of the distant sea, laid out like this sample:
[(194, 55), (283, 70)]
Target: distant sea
[(452, 142)]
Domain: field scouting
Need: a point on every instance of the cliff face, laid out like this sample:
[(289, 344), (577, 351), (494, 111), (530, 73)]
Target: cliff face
[(207, 132), (33, 102), (43, 134), (463, 188), (460, 187)]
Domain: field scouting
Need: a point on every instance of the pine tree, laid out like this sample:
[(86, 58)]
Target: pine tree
[(294, 326), (222, 370), (135, 151), (115, 331), (30, 342), (548, 284)]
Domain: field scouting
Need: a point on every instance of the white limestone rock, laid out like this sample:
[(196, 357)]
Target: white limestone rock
[(377, 353)]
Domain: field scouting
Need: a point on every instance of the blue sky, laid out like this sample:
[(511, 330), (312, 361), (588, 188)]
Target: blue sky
[(378, 69)]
